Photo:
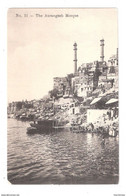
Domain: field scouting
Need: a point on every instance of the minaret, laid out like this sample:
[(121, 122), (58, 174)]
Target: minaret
[(75, 58), (102, 50)]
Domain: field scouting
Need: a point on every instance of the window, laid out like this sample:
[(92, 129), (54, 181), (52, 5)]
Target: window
[(81, 89)]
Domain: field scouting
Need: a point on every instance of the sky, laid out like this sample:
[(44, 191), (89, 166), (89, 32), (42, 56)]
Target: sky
[(40, 48)]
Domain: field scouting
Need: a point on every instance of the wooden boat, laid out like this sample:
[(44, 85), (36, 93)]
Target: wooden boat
[(41, 126), (31, 130)]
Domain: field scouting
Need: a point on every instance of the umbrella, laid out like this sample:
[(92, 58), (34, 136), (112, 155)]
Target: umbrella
[(110, 91), (112, 101), (95, 100)]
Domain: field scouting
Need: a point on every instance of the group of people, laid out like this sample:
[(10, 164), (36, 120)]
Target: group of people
[(112, 113)]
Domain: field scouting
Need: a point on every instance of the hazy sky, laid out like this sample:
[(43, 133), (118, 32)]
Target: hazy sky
[(40, 48)]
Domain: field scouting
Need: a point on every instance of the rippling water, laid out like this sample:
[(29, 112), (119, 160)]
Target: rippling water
[(60, 157)]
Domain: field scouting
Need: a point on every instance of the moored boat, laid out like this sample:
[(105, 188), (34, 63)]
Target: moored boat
[(42, 126), (31, 130)]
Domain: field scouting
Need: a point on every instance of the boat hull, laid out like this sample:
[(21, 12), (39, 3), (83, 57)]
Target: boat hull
[(33, 130)]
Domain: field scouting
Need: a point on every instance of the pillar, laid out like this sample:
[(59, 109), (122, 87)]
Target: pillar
[(75, 58), (102, 49)]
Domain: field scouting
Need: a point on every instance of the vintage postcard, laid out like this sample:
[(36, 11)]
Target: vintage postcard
[(63, 114)]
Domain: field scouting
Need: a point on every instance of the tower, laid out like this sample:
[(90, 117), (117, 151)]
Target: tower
[(102, 50), (75, 58)]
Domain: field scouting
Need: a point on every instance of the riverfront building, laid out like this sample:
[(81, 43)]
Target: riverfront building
[(89, 77), (62, 84), (88, 81)]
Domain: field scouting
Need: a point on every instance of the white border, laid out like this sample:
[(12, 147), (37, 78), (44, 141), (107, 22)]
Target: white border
[(98, 190)]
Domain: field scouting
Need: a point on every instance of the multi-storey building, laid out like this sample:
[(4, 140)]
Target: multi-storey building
[(86, 80), (89, 76), (62, 84)]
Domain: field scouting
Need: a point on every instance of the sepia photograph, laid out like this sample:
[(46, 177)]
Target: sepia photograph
[(62, 96)]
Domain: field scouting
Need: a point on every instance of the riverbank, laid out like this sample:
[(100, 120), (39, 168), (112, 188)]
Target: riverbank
[(73, 114), (77, 123)]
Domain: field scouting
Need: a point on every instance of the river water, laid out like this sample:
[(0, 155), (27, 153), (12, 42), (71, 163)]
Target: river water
[(60, 157)]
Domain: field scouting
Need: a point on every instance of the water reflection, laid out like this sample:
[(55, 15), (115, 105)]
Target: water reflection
[(89, 138), (60, 157)]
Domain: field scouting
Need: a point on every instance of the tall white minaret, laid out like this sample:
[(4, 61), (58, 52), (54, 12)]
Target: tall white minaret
[(102, 50), (75, 58)]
